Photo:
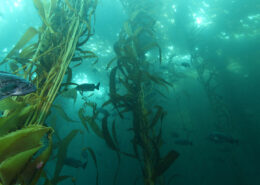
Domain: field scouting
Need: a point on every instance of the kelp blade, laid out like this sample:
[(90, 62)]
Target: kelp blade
[(11, 167)]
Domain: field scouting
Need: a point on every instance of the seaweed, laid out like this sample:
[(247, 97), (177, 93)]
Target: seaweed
[(44, 62), (129, 81), (92, 153)]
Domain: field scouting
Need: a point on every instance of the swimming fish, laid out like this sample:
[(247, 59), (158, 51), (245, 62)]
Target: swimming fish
[(185, 64), (12, 85), (219, 137), (75, 163), (87, 87)]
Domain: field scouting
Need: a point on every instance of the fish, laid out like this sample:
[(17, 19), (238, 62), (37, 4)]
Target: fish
[(185, 64), (87, 87), (219, 137), (75, 163), (183, 142), (12, 85)]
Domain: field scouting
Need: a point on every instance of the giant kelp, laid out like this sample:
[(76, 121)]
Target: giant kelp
[(129, 83), (66, 27)]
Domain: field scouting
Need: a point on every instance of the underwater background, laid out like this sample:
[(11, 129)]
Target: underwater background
[(209, 88)]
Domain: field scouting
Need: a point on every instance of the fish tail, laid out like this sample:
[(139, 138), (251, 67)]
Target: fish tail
[(97, 86)]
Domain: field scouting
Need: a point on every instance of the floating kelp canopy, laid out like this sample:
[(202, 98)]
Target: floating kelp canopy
[(66, 27)]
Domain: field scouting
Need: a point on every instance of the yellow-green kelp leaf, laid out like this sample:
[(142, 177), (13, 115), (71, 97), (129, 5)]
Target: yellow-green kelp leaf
[(15, 119), (8, 104), (42, 12), (11, 167), (21, 140), (33, 170), (82, 118)]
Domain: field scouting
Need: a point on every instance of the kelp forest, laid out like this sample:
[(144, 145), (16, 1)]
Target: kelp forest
[(67, 25), (139, 92)]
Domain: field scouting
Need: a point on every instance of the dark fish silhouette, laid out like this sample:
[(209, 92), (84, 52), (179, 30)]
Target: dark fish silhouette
[(12, 85), (87, 87), (75, 163), (185, 64), (183, 142), (219, 137)]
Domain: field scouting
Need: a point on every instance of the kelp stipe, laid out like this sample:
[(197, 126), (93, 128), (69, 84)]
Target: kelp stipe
[(130, 72), (66, 27)]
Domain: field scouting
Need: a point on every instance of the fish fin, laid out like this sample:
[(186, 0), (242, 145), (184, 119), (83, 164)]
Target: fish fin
[(97, 86), (84, 165)]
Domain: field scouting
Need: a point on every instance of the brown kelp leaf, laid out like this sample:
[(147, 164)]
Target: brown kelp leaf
[(110, 62), (157, 116), (126, 85), (82, 118), (12, 166), (29, 34), (93, 125), (62, 154), (91, 119), (165, 163), (158, 80), (114, 132), (63, 114), (92, 153), (88, 54), (106, 103), (107, 135), (33, 170)]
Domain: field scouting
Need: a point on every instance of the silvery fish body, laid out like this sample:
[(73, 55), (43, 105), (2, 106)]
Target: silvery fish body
[(12, 85), (74, 163), (219, 137)]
